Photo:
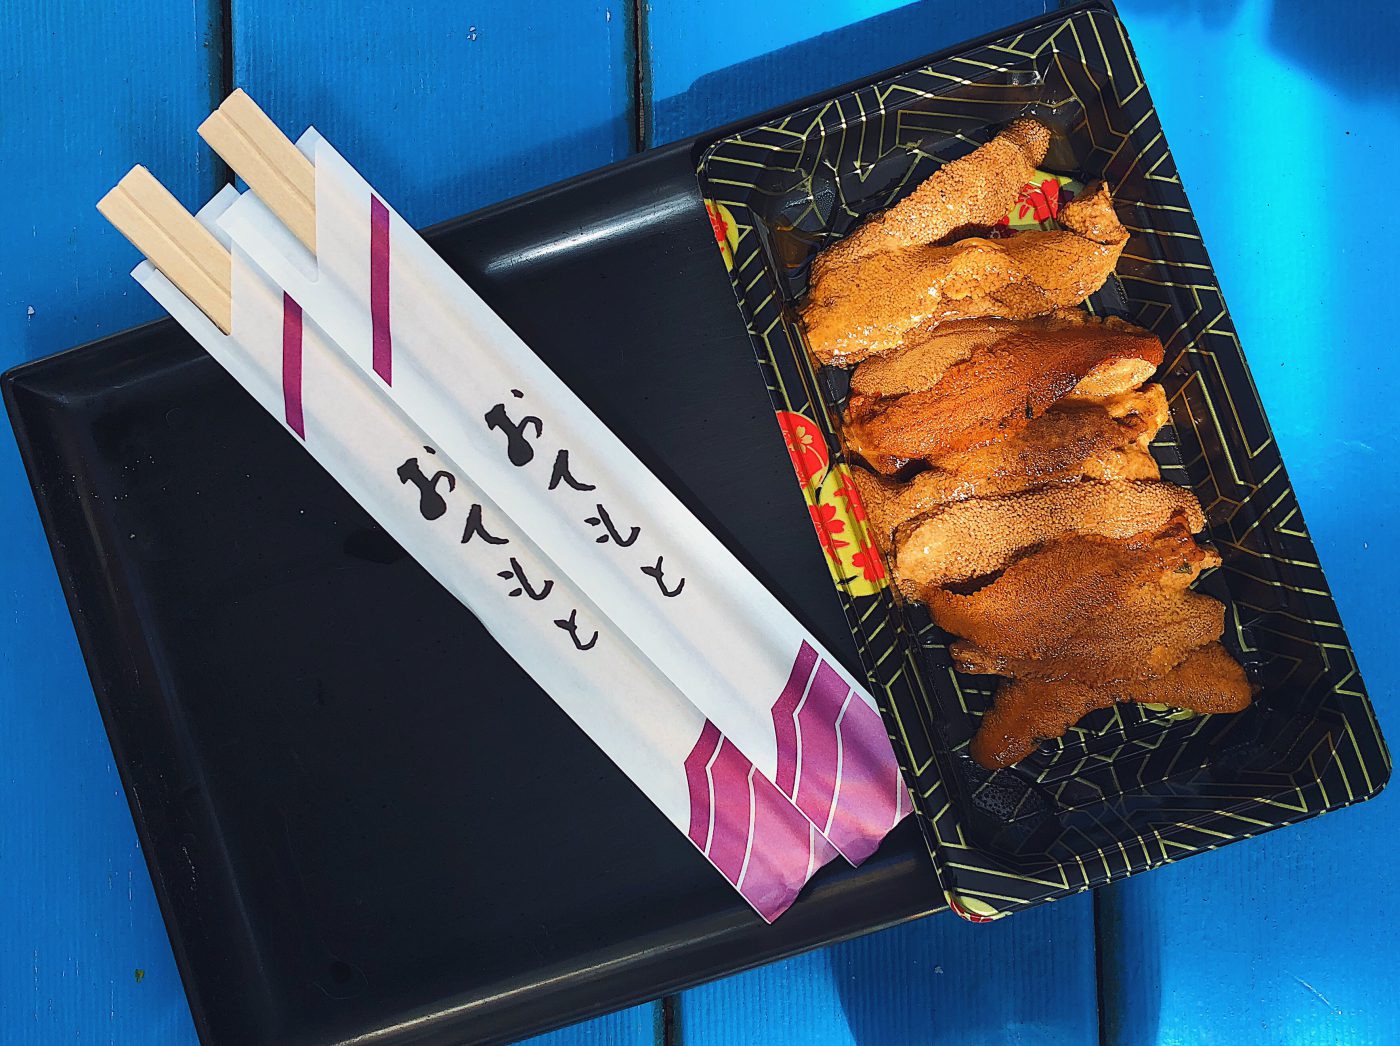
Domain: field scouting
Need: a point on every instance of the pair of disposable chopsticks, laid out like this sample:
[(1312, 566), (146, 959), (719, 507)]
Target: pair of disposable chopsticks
[(187, 253)]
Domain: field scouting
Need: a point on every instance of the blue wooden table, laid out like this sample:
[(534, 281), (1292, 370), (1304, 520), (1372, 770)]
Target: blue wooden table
[(1285, 122)]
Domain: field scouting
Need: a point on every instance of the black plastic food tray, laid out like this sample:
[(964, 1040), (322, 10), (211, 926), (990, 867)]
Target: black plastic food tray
[(1132, 787), (360, 815)]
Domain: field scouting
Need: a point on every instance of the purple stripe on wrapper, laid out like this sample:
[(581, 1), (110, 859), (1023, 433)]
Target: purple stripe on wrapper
[(731, 803), (697, 782), (747, 828), (291, 365), (834, 758), (786, 851), (819, 759), (871, 790), (784, 718), (379, 289)]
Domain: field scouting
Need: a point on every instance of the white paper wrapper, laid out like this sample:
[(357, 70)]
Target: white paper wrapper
[(746, 828), (452, 365)]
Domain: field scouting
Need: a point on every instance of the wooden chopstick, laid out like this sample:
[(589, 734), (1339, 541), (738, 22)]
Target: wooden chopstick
[(275, 169), (173, 239)]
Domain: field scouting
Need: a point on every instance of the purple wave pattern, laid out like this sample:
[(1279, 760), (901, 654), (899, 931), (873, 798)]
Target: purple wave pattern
[(748, 829), (835, 759)]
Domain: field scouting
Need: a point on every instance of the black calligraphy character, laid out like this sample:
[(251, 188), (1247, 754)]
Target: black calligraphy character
[(661, 581), (570, 625), (476, 529), (518, 448), (517, 574), (604, 520), (430, 502), (561, 473)]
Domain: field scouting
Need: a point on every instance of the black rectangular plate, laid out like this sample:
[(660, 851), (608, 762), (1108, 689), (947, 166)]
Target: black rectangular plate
[(312, 733)]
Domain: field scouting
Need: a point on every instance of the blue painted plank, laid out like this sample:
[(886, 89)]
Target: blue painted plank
[(447, 107), (639, 1026), (86, 91), (1028, 979), (1286, 130), (710, 62)]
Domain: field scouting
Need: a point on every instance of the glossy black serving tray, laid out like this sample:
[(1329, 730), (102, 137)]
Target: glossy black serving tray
[(313, 734)]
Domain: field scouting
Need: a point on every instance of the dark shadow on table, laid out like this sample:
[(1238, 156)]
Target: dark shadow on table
[(836, 57), (1027, 978), (1349, 45), (1130, 971), (1340, 47)]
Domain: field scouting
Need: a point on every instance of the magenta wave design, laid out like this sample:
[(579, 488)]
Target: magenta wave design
[(819, 758), (872, 792), (785, 718), (749, 830), (291, 365), (732, 802), (383, 355), (698, 785), (835, 759)]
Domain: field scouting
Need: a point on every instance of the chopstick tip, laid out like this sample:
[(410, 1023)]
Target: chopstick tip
[(137, 172), (213, 120), (239, 99)]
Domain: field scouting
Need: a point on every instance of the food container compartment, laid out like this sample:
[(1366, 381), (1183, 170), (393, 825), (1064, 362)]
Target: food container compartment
[(1131, 787)]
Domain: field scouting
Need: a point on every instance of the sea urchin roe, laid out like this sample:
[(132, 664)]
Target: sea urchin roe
[(970, 538)]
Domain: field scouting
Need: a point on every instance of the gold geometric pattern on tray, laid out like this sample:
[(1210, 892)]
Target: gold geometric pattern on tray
[(1130, 787)]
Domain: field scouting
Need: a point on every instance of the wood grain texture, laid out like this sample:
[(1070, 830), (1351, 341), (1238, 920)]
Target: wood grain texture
[(267, 160), (710, 62), (1289, 938), (446, 107), (86, 91), (144, 211), (1027, 979)]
